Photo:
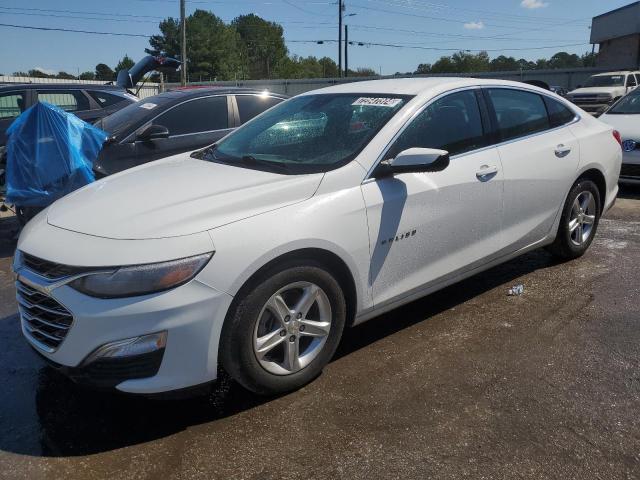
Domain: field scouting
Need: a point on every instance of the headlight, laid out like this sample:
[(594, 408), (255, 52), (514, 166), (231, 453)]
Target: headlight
[(141, 279)]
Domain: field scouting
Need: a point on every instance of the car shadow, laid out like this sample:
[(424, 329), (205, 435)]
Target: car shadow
[(45, 414)]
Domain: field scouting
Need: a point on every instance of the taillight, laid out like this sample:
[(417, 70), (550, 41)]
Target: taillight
[(616, 135)]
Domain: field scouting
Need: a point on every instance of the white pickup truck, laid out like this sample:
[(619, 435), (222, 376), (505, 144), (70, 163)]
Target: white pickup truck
[(603, 89)]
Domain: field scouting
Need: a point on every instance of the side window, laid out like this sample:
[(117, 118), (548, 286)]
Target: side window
[(558, 113), (519, 113), (452, 123), (69, 100), (631, 80), (11, 104), (105, 99), (194, 116), (250, 106)]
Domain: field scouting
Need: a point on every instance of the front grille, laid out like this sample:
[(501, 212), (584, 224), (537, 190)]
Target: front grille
[(628, 170), (48, 269), (43, 319), (586, 99)]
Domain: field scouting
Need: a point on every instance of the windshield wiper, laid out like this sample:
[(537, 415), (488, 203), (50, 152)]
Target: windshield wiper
[(252, 161)]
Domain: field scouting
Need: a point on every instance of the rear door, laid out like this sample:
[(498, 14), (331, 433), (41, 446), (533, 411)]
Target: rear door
[(192, 124), (425, 227), (251, 105), (539, 156)]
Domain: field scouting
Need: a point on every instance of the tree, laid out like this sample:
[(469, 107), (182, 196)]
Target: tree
[(214, 49), (87, 76), (564, 60), (329, 67), (263, 44), (422, 69), (125, 64), (20, 74), (503, 64), (65, 76), (104, 72), (39, 74), (363, 72)]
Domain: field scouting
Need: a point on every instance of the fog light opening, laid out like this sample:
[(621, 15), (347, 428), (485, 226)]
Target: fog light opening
[(129, 347)]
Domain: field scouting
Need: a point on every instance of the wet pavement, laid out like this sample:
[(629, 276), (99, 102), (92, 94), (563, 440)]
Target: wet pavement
[(468, 382)]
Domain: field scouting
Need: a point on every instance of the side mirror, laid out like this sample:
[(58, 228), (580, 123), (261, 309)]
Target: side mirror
[(414, 160), (153, 132)]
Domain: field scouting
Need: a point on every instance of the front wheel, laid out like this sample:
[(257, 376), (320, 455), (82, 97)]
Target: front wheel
[(579, 221), (285, 329)]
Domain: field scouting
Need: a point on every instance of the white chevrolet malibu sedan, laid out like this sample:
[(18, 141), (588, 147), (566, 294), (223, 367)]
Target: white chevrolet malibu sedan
[(328, 209), (624, 116)]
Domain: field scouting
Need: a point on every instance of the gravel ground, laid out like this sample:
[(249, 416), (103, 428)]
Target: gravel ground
[(467, 382)]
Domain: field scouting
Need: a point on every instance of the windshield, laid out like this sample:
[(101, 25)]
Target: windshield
[(605, 81), (628, 104), (122, 121), (307, 134)]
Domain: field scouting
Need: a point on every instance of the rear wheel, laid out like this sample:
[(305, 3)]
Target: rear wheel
[(579, 221), (285, 329)]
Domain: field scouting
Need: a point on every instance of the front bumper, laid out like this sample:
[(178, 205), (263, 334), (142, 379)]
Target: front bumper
[(192, 315), (630, 170)]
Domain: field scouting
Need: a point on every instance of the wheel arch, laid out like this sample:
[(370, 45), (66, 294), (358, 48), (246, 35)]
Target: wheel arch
[(597, 177), (335, 264)]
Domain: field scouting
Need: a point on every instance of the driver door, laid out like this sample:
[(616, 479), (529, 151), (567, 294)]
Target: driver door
[(427, 227)]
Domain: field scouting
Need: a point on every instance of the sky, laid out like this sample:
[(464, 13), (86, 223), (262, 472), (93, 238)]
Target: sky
[(420, 30)]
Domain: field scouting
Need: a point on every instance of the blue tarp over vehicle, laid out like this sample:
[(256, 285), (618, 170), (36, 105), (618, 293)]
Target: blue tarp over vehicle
[(49, 154)]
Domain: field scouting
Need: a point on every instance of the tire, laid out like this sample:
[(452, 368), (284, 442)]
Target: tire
[(576, 229), (263, 336)]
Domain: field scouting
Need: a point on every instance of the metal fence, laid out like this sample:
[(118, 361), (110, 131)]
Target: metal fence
[(147, 90), (567, 78)]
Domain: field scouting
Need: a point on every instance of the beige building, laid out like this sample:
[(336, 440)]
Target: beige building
[(618, 35)]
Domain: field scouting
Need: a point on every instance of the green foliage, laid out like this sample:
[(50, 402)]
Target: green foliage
[(66, 76), (125, 64), (263, 44), (464, 62), (87, 76), (104, 72), (213, 47)]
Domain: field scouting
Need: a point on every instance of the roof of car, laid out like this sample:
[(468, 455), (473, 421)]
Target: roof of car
[(413, 86), (619, 72), (199, 91), (58, 86)]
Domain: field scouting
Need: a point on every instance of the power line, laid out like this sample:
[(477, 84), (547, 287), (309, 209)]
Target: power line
[(28, 27), (392, 45), (81, 12)]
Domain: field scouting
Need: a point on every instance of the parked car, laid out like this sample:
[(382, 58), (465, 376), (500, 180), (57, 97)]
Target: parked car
[(603, 90), (178, 121), (89, 102), (256, 252), (624, 116), (558, 90)]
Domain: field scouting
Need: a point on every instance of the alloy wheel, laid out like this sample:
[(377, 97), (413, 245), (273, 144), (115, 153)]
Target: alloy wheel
[(582, 218), (292, 328)]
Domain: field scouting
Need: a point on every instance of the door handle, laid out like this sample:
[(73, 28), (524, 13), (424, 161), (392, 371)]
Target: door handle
[(562, 151), (486, 172)]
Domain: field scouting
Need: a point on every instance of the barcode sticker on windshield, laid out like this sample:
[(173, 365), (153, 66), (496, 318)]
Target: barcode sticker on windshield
[(377, 101), (148, 105)]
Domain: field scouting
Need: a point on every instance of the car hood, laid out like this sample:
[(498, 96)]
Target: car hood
[(595, 90), (627, 124), (174, 197)]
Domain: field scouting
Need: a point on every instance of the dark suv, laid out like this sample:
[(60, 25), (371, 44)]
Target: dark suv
[(174, 122), (89, 102)]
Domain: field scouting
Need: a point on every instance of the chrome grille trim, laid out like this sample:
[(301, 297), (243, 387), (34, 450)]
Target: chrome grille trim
[(45, 322)]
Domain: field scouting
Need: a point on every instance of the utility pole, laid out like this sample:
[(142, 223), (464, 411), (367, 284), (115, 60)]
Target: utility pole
[(183, 28), (339, 37), (346, 50)]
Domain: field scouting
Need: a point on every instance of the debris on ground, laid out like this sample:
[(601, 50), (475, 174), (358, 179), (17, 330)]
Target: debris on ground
[(516, 290)]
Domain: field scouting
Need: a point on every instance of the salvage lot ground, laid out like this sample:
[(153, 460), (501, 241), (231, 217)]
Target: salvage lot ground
[(466, 382)]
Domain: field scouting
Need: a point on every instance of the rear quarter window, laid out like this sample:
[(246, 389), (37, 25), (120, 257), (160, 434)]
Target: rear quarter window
[(559, 114), (250, 106), (68, 100), (105, 99)]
